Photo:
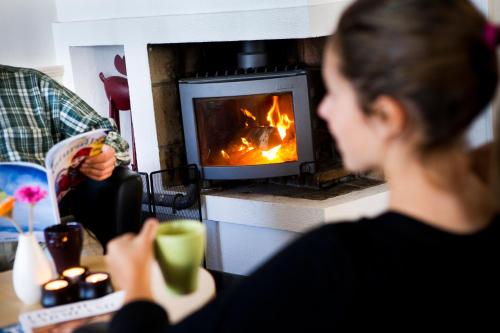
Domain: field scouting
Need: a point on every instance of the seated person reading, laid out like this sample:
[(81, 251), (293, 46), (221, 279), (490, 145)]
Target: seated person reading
[(36, 112)]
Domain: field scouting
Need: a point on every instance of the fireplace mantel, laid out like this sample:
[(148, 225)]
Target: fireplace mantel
[(97, 23)]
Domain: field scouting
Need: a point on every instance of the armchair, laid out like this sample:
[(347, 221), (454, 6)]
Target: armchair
[(107, 208)]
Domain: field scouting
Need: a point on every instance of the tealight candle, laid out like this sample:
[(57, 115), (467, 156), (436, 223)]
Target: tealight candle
[(56, 285), (96, 277), (95, 285), (57, 292), (74, 274)]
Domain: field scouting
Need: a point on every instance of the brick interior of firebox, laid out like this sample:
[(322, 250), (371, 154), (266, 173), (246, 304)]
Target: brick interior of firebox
[(171, 62)]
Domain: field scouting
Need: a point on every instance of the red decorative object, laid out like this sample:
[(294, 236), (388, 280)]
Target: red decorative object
[(117, 92)]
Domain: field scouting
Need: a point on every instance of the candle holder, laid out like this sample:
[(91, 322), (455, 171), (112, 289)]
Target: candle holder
[(95, 285), (65, 242), (75, 274), (58, 292)]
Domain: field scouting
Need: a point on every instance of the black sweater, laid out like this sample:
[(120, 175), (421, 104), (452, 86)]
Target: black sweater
[(391, 272)]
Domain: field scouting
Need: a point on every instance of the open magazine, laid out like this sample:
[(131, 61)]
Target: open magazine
[(60, 175)]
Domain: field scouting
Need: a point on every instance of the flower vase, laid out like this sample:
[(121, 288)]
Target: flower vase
[(31, 269)]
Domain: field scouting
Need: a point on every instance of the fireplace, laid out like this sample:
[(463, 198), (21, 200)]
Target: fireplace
[(247, 125)]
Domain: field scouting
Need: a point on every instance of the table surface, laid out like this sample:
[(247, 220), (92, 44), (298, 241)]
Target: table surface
[(178, 307)]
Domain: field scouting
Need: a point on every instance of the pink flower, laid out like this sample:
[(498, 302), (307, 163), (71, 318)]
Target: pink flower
[(30, 194)]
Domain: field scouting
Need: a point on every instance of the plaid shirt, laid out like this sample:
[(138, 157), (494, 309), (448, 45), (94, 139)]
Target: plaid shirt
[(36, 112)]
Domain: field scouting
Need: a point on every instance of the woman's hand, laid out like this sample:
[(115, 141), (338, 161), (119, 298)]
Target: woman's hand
[(129, 261)]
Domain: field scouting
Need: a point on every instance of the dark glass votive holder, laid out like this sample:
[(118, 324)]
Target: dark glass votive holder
[(95, 285), (65, 243), (58, 292)]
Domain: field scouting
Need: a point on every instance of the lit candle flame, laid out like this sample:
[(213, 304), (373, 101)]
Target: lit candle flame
[(56, 285), (72, 272), (96, 277)]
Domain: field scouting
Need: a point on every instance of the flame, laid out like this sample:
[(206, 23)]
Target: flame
[(248, 114), (244, 151), (271, 153), (278, 120), (247, 146)]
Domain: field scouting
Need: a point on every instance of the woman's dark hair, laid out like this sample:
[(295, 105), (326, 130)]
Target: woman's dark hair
[(430, 55)]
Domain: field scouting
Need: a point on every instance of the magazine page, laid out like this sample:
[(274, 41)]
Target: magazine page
[(64, 159), (67, 318), (21, 184)]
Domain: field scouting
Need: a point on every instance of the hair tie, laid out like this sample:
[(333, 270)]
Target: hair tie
[(491, 35)]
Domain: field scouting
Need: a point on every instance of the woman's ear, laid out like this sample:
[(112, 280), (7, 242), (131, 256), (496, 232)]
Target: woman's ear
[(387, 118)]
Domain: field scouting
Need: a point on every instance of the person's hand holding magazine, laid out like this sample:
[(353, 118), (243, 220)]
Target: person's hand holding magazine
[(101, 166)]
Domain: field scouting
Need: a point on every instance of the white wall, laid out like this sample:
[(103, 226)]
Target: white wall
[(26, 33), (481, 130), (87, 63), (83, 10)]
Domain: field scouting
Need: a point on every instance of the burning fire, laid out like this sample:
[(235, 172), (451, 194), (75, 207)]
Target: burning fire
[(278, 120), (264, 142), (224, 154), (248, 114), (271, 153)]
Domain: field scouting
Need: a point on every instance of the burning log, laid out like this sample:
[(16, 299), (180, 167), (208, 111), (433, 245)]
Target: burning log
[(263, 138), (253, 157)]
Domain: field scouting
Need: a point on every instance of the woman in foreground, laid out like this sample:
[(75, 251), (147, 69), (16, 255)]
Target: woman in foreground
[(404, 81)]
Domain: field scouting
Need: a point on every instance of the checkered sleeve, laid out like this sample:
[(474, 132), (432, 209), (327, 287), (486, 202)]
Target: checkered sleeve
[(72, 116)]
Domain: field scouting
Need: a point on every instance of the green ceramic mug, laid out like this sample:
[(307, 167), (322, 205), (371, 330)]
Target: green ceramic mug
[(179, 248)]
